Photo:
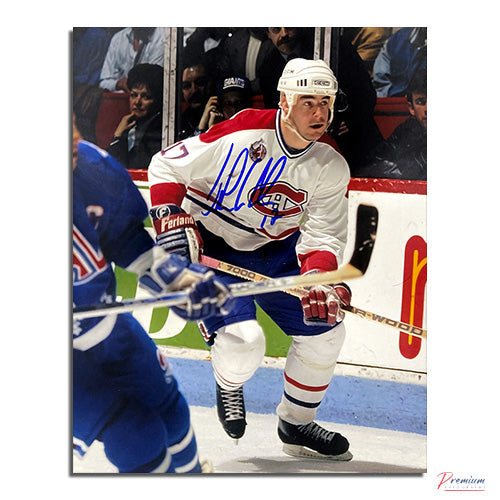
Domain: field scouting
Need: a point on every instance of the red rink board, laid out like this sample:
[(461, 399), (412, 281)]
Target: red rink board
[(356, 184)]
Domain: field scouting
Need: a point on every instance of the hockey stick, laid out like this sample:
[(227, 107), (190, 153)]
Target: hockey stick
[(300, 292), (366, 229)]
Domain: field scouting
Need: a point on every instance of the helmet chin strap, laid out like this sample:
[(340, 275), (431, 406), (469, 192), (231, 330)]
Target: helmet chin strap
[(286, 120), (288, 123)]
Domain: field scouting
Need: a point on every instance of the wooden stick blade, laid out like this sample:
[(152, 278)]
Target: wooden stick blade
[(399, 325), (366, 232)]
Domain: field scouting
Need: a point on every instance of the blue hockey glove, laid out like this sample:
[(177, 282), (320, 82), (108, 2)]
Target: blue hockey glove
[(207, 295), (176, 231)]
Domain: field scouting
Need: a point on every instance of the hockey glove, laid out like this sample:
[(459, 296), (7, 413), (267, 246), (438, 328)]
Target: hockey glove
[(207, 295), (176, 231), (322, 304)]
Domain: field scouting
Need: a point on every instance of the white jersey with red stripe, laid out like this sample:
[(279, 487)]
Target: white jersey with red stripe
[(244, 184)]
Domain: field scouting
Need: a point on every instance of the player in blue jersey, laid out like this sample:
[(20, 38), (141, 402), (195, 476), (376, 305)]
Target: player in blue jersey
[(124, 393)]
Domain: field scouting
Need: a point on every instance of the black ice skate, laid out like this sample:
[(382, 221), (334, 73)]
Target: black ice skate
[(311, 440), (231, 411)]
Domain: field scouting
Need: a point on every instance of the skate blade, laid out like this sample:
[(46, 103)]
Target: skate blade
[(295, 450), (207, 467)]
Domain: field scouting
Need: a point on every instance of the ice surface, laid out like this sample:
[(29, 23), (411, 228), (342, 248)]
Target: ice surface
[(259, 451)]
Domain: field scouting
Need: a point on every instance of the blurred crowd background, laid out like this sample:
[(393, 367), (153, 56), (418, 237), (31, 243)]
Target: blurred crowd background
[(139, 90)]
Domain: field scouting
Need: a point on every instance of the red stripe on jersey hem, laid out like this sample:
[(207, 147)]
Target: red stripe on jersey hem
[(167, 192), (280, 236), (318, 260), (310, 388)]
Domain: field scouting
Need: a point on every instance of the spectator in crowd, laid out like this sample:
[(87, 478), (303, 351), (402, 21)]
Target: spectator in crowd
[(287, 44), (202, 40), (89, 50), (139, 133), (354, 128), (90, 46), (233, 95), (196, 89), (127, 48), (226, 52), (368, 42), (242, 53), (403, 53), (404, 154)]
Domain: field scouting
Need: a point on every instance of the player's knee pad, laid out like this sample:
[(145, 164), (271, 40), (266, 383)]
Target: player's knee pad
[(237, 352), (322, 350)]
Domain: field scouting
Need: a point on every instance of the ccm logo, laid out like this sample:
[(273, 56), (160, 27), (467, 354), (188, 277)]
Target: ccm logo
[(321, 83)]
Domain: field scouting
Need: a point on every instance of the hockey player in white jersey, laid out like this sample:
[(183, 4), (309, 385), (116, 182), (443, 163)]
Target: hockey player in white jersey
[(260, 191)]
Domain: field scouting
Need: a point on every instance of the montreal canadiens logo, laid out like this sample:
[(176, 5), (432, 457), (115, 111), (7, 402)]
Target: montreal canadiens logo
[(257, 151), (277, 199)]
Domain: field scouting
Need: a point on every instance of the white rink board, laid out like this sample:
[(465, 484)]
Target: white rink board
[(401, 216)]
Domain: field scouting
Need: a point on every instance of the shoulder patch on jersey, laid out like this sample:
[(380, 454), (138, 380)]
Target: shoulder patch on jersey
[(257, 151)]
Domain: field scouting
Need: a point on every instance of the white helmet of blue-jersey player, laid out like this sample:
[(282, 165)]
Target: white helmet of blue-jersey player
[(304, 77)]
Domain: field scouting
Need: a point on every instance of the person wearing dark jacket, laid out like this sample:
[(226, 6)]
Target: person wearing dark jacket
[(403, 155), (353, 128), (138, 136)]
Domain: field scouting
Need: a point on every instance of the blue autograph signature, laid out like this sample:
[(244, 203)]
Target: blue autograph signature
[(269, 175)]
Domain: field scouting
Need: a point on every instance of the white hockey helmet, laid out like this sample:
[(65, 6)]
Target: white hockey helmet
[(305, 76)]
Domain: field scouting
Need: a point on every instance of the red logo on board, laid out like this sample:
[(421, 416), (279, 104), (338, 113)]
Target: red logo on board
[(413, 299)]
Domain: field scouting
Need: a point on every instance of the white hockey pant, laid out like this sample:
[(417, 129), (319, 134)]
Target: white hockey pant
[(237, 352), (309, 370)]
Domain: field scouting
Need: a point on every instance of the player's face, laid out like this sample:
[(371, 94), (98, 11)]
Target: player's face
[(309, 115), (141, 101), (418, 108)]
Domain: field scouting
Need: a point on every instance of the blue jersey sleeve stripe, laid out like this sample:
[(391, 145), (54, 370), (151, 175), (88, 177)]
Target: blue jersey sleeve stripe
[(95, 335)]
